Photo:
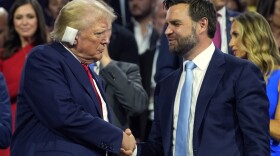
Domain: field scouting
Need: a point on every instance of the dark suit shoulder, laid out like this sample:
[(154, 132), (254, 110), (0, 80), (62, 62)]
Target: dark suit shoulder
[(236, 61), (233, 63), (46, 48)]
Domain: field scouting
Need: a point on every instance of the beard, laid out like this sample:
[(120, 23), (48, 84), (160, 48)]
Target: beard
[(184, 44)]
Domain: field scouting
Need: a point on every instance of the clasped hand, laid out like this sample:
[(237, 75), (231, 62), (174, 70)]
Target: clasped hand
[(128, 143)]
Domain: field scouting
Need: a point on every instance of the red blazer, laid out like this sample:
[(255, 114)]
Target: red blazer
[(11, 69)]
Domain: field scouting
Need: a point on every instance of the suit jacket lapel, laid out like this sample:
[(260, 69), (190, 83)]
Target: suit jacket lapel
[(168, 91), (79, 73), (215, 72)]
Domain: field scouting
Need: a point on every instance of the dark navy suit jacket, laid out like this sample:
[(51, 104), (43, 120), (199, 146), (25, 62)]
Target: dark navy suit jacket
[(231, 116), (57, 111), (5, 115)]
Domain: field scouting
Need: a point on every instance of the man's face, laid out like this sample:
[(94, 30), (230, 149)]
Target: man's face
[(180, 31), (140, 8), (3, 28), (92, 41)]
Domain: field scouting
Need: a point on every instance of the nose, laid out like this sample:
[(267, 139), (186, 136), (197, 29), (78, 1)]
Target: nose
[(24, 20), (106, 40), (168, 31)]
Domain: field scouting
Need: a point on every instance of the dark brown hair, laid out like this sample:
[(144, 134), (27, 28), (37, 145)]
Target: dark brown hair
[(12, 43)]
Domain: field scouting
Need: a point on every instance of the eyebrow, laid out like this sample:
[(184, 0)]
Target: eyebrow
[(175, 21)]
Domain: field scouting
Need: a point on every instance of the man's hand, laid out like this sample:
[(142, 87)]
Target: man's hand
[(128, 143), (106, 59)]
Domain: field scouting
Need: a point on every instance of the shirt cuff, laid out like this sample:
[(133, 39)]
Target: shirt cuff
[(135, 151)]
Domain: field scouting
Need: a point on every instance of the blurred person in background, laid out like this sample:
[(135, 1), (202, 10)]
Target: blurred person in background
[(250, 5), (51, 11), (121, 9), (3, 25), (26, 29), (149, 69), (5, 116), (224, 17), (270, 9), (252, 39), (235, 5), (146, 36), (123, 87), (123, 46)]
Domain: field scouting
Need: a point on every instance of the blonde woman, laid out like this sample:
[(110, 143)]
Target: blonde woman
[(252, 39)]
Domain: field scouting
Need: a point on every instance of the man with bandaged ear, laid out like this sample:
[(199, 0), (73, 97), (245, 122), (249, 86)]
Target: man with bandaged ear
[(62, 109)]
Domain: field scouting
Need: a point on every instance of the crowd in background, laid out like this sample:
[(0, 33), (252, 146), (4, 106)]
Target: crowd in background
[(138, 50)]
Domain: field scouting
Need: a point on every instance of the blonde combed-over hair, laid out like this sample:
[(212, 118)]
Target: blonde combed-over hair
[(79, 14)]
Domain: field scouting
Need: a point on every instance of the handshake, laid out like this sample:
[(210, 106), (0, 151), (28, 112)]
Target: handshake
[(128, 143)]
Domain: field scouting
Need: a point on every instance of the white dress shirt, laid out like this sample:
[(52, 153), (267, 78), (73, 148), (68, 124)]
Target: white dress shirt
[(223, 25), (201, 61), (143, 40)]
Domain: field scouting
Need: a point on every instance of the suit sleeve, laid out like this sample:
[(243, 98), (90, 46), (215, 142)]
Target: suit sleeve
[(252, 111), (50, 96), (5, 115), (127, 86)]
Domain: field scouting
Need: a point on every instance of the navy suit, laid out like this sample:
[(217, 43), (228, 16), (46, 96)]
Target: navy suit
[(231, 116), (58, 113), (5, 115)]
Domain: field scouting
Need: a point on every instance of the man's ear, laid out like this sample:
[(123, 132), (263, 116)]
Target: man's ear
[(202, 25)]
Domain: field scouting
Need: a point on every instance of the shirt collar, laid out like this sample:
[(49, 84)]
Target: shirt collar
[(70, 52), (136, 23), (203, 59)]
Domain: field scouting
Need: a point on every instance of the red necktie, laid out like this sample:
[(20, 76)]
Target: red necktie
[(91, 81), (217, 38)]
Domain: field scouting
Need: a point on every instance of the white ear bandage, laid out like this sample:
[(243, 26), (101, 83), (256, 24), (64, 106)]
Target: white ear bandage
[(69, 35)]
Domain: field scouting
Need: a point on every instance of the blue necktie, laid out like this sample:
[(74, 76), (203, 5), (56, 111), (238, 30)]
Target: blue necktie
[(184, 111)]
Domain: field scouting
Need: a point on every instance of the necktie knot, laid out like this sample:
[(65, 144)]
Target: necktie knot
[(85, 66), (190, 65)]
